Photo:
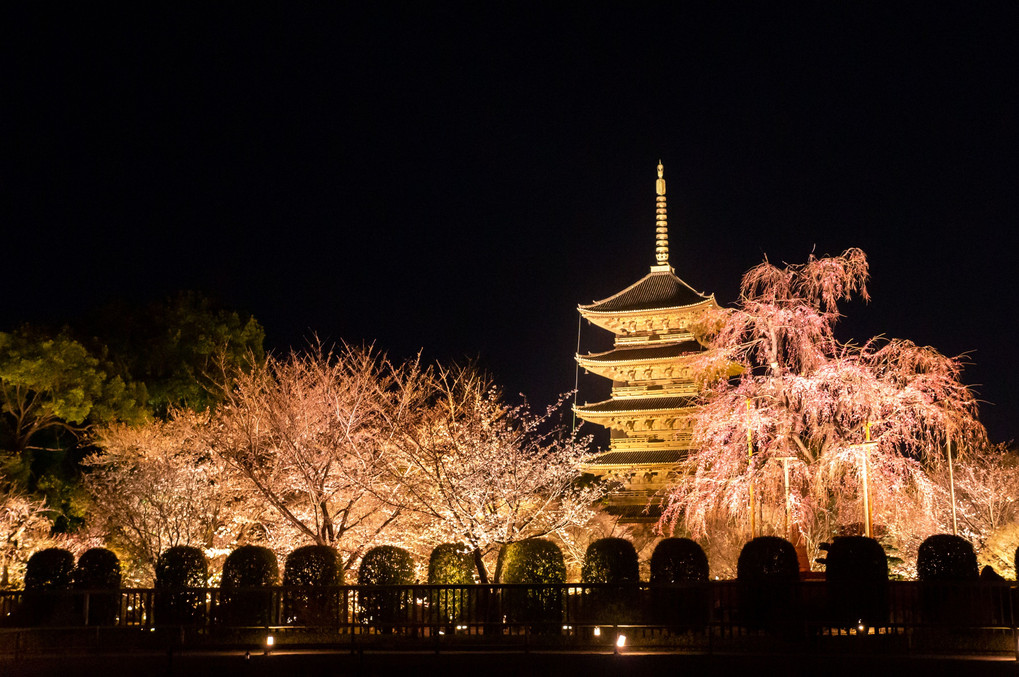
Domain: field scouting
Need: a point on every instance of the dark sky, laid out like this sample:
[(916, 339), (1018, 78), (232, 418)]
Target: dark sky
[(460, 177)]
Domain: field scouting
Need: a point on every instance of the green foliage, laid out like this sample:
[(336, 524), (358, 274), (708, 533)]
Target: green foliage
[(386, 565), (54, 383), (452, 564), (250, 566), (535, 560), (944, 557), (180, 347), (97, 569), (610, 560), (49, 569), (678, 560), (311, 566), (768, 559)]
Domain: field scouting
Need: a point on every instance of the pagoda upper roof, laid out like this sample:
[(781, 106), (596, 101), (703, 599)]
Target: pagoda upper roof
[(647, 352), (657, 289), (637, 404)]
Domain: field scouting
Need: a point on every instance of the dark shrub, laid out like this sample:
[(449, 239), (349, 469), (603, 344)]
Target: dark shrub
[(944, 564), (534, 562), (451, 564), (768, 573), (47, 576), (49, 569), (679, 570), (182, 573), (857, 580), (610, 561), (678, 560), (313, 572), (245, 599), (381, 566), (944, 557), (98, 569)]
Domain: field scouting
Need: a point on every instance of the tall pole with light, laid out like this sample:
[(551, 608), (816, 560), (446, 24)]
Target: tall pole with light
[(867, 508)]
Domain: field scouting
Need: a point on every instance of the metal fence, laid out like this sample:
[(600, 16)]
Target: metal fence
[(718, 615)]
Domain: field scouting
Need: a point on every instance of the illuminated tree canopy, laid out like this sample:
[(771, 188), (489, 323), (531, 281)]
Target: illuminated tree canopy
[(803, 395)]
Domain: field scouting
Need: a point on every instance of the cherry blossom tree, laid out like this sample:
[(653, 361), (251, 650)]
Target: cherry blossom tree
[(25, 524), (804, 401), (306, 434), (158, 485), (485, 473), (986, 485)]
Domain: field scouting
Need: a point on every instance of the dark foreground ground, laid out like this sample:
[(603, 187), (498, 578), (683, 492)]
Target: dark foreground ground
[(324, 664)]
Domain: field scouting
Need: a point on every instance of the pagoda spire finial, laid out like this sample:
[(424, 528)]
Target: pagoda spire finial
[(661, 224)]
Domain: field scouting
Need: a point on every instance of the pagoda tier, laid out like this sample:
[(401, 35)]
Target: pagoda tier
[(656, 363), (653, 368), (658, 305)]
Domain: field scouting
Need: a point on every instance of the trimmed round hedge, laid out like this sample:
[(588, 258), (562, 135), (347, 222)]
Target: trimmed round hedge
[(678, 560), (452, 564), (610, 560), (856, 573), (316, 565), (182, 566), (535, 560), (181, 572), (386, 565), (311, 566), (250, 566), (945, 557), (768, 572), (768, 559), (97, 569), (49, 569)]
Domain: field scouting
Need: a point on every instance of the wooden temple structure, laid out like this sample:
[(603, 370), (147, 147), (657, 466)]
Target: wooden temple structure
[(654, 387)]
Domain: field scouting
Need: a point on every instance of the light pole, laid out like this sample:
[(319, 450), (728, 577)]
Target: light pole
[(951, 483), (868, 522)]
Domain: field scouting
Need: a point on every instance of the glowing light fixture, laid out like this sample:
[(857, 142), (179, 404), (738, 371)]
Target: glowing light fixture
[(597, 632)]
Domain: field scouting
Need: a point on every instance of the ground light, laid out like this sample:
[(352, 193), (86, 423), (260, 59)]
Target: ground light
[(620, 643), (597, 632), (270, 641)]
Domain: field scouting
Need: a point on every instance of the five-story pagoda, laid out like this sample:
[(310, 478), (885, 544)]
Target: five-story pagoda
[(653, 381)]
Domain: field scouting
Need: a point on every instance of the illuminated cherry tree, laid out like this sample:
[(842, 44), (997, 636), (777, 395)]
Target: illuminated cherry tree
[(484, 473), (802, 402), (158, 485), (306, 435)]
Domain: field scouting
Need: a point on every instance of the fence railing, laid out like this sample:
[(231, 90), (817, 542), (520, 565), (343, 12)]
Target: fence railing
[(694, 616)]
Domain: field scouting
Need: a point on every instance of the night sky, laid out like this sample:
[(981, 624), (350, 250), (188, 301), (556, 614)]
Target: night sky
[(458, 178)]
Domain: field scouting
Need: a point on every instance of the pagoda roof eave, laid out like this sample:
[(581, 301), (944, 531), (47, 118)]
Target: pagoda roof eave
[(636, 405), (588, 311), (652, 354)]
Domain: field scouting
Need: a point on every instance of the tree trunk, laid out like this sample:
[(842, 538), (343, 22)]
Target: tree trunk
[(479, 563)]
